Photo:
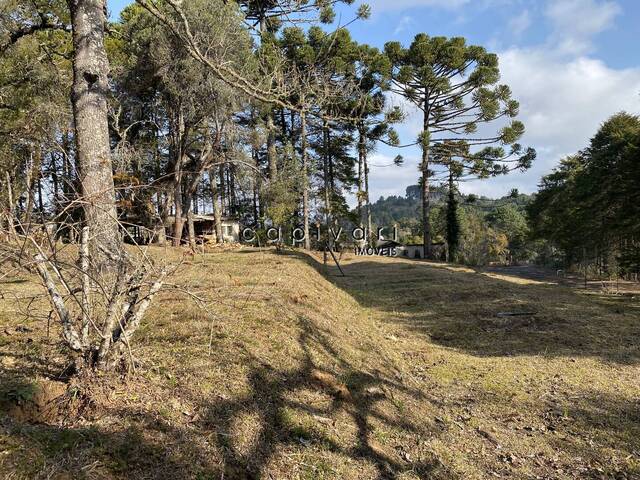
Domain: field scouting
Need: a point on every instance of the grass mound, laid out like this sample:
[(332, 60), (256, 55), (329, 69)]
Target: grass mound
[(400, 370)]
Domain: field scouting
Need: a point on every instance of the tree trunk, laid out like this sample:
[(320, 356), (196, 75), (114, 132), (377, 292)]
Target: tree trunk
[(68, 183), (217, 209), (453, 227), (233, 203), (272, 154), (327, 186), (191, 230), (30, 170), (292, 130), (40, 197), (424, 167), (305, 180), (89, 99), (222, 188), (179, 134), (160, 233), (361, 159), (332, 178), (363, 183), (56, 190), (256, 188), (365, 165), (10, 207), (178, 225)]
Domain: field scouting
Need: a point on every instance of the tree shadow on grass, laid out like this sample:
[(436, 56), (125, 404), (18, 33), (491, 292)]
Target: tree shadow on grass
[(460, 309), (47, 451), (126, 440), (129, 442), (269, 398), (152, 448), (287, 440)]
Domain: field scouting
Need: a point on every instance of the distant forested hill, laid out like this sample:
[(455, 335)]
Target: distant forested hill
[(407, 210), (493, 230)]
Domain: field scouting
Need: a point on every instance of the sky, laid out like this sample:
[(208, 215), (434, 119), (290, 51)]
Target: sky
[(570, 63)]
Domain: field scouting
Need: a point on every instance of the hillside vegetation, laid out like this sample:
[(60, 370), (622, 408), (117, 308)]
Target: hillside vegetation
[(389, 372), (489, 230)]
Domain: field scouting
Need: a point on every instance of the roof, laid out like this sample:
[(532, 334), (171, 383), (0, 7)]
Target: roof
[(204, 218), (212, 218), (387, 243), (433, 244)]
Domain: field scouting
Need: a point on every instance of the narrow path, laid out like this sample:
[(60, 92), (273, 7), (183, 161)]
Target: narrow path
[(560, 277)]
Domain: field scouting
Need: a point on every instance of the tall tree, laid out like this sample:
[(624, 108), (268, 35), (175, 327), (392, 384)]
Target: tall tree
[(374, 121), (195, 108), (454, 85), (105, 295), (89, 98), (35, 79), (320, 68), (585, 207), (265, 18)]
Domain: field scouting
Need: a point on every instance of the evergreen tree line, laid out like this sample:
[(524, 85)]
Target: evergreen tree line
[(587, 209), (584, 217)]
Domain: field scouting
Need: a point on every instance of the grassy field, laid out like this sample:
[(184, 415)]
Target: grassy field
[(402, 369)]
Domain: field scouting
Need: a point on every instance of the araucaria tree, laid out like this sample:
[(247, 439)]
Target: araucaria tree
[(374, 121), (455, 86)]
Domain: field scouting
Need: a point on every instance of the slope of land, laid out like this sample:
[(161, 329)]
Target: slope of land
[(401, 369)]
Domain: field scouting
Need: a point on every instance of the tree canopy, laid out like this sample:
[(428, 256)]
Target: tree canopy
[(586, 207)]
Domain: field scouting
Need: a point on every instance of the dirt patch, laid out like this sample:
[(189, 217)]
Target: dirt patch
[(38, 402)]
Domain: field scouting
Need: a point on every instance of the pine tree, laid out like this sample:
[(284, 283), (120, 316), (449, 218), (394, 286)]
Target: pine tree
[(586, 206)]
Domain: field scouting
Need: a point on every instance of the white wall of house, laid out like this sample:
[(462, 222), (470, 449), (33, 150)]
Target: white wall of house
[(417, 251), (231, 231)]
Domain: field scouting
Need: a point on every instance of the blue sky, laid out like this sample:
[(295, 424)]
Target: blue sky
[(570, 63)]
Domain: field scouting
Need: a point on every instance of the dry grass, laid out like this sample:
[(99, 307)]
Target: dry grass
[(400, 370)]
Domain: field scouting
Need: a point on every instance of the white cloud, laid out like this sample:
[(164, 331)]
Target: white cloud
[(520, 23), (404, 23), (563, 102), (562, 105), (575, 22)]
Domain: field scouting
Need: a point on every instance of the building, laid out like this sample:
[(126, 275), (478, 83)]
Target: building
[(205, 228), (413, 250), (416, 250)]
